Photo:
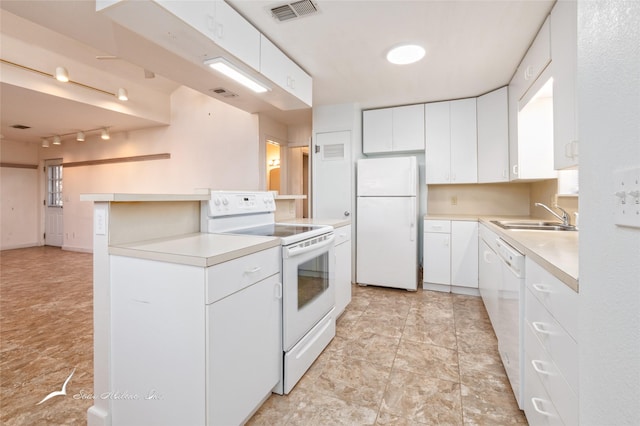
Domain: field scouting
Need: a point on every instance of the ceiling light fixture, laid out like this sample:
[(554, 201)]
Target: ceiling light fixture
[(56, 140), (105, 135), (80, 136), (122, 94), (225, 67), (405, 54), (62, 74), (45, 143)]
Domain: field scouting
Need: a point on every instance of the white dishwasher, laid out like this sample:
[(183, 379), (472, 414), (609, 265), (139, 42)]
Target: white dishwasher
[(510, 312)]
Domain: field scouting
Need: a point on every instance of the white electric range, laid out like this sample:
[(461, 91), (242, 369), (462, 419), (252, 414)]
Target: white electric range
[(307, 273)]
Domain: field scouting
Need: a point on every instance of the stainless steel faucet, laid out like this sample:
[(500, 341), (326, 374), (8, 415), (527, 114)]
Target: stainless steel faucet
[(565, 216)]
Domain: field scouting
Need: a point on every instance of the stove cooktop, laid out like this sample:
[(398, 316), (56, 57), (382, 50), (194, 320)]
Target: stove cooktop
[(276, 230)]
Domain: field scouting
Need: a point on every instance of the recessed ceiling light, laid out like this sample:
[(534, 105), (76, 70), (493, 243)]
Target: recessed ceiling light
[(405, 54)]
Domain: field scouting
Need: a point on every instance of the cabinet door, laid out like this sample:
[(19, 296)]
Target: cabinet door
[(235, 34), (464, 253), (377, 130), (343, 273), (464, 141), (493, 136), (277, 67), (239, 327), (437, 258), (564, 48), (538, 56), (199, 15), (437, 142), (408, 128)]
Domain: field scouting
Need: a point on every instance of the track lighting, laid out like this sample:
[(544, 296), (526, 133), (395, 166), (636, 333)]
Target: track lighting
[(45, 143), (105, 135), (122, 94), (80, 137), (56, 140), (62, 74)]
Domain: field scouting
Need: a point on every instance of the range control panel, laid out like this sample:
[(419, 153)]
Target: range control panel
[(228, 203)]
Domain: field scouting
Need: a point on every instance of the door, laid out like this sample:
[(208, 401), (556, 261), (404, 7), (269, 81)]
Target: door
[(386, 252), (53, 204), (332, 187)]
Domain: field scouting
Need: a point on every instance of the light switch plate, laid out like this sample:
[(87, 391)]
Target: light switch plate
[(627, 197)]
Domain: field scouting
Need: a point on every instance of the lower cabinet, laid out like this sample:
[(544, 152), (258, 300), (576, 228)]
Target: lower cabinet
[(551, 349), (450, 253), (343, 268), (184, 339)]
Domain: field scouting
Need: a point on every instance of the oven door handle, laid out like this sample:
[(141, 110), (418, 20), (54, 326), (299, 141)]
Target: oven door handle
[(296, 251)]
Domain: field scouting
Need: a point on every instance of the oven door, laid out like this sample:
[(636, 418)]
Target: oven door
[(308, 270)]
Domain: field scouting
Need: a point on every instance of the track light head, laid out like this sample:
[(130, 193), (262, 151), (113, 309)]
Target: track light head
[(62, 74)]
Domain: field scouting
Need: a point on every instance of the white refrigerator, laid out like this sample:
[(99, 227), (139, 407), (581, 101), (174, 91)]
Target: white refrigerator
[(387, 222)]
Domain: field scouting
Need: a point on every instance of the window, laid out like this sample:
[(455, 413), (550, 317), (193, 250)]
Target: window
[(54, 185)]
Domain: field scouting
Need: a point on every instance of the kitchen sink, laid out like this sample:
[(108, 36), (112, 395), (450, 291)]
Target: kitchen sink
[(533, 225)]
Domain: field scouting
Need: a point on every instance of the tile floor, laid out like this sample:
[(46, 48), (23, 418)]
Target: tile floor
[(399, 358)]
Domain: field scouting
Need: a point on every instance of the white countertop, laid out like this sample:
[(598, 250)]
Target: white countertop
[(557, 252), (124, 197), (199, 249)]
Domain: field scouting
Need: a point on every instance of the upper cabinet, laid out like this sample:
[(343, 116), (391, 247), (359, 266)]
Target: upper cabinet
[(397, 129), (277, 67), (493, 136), (199, 31), (564, 47), (531, 113), (451, 142)]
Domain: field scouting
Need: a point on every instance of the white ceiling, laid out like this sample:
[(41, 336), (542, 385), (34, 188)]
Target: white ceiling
[(472, 47)]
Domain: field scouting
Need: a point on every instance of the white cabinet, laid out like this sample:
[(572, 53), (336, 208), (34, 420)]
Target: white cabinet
[(450, 256), (493, 136), (235, 34), (343, 267), (277, 67), (451, 142), (551, 349), (564, 48), (397, 129), (489, 276), (179, 327), (531, 113)]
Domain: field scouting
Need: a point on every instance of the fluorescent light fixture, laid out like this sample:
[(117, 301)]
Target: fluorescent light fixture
[(105, 135), (80, 137), (122, 94), (405, 54), (225, 67), (56, 140), (62, 74), (45, 143)]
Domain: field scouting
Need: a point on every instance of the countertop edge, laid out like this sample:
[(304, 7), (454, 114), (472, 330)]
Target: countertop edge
[(124, 197)]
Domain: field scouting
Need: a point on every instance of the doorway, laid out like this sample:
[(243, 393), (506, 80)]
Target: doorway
[(273, 166), (53, 228)]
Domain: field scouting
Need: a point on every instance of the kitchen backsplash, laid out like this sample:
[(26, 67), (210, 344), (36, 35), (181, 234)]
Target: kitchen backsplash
[(499, 199)]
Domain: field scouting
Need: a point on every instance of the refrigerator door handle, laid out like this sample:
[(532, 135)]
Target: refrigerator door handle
[(412, 220)]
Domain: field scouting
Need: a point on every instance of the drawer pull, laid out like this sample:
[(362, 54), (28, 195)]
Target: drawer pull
[(542, 288), (535, 401), (540, 328), (253, 270), (537, 365)]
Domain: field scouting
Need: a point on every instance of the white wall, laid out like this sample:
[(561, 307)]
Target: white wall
[(19, 200), (212, 145), (609, 129)]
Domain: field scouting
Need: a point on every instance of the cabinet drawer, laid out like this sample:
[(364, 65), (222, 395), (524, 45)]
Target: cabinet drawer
[(560, 300), (564, 398), (442, 226), (228, 277), (560, 346), (342, 234), (538, 407)]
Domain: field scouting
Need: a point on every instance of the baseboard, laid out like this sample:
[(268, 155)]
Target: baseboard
[(77, 249)]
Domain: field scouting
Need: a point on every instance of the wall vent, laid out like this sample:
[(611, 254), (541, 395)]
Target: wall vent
[(220, 91), (20, 126), (293, 10)]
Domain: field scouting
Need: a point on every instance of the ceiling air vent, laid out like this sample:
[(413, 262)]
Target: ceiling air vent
[(20, 126), (223, 92), (293, 10)]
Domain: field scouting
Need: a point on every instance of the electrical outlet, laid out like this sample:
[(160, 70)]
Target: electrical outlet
[(454, 200), (627, 197)]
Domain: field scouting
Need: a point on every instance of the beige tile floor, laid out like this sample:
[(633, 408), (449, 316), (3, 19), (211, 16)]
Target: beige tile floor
[(399, 358)]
